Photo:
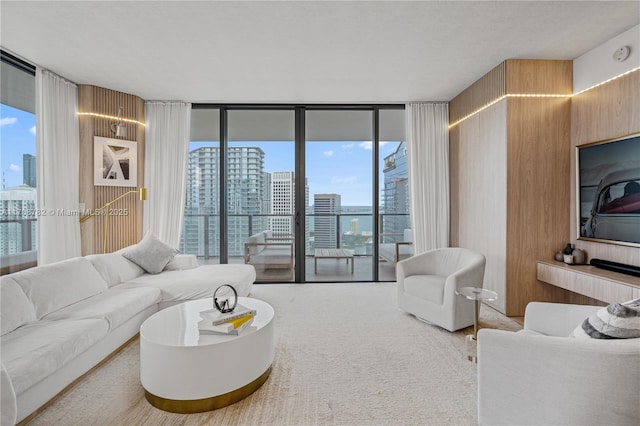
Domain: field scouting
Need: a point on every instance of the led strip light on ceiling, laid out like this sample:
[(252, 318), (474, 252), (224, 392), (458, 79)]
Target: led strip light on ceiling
[(111, 117), (495, 101), (538, 95)]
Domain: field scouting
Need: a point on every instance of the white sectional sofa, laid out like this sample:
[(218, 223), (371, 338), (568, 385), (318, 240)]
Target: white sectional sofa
[(542, 375), (60, 320)]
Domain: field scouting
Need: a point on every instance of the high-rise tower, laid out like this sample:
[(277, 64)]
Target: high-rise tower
[(396, 192), (247, 195), (282, 203), (29, 170), (325, 209)]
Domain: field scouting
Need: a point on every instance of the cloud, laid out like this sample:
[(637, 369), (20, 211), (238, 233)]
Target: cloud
[(6, 121), (327, 153), (32, 130), (343, 179), (369, 144), (347, 146), (14, 168)]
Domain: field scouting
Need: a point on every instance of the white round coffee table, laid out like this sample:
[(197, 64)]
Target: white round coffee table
[(183, 371)]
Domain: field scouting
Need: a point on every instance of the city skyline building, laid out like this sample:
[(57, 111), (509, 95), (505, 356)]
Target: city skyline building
[(18, 230), (247, 199), (258, 200), (325, 209), (354, 226), (396, 194), (29, 170), (282, 203)]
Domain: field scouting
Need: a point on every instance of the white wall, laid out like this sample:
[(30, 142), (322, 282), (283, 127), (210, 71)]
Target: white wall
[(482, 210), (598, 65)]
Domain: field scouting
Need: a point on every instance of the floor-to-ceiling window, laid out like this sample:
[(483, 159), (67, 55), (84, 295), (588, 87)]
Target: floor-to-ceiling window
[(18, 203), (395, 235), (260, 164), (311, 178), (339, 168), (201, 224)]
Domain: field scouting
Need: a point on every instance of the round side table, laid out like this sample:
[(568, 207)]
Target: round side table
[(478, 295)]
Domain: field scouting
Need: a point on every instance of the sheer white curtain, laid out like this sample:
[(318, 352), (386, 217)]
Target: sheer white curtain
[(428, 152), (165, 173), (57, 162)]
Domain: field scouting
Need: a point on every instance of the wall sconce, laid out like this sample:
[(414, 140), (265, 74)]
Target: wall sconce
[(119, 128), (104, 211)]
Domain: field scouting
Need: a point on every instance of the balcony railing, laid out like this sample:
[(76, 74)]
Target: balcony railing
[(201, 232)]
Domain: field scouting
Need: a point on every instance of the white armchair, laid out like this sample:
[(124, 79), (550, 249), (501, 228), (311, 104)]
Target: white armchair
[(541, 376), (427, 285)]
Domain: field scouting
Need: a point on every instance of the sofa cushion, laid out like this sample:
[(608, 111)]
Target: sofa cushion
[(15, 307), (616, 321), (116, 305), (35, 351), (54, 286), (181, 262), (150, 254), (428, 287), (115, 268), (199, 282)]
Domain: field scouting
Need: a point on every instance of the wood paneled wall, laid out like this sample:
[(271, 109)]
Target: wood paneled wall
[(531, 174), (538, 189), (487, 89), (605, 112), (124, 229), (533, 76)]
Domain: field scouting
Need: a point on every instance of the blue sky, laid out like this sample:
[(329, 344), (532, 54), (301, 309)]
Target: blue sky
[(332, 167), (17, 137)]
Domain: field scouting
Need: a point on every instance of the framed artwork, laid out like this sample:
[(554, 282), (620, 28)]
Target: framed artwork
[(115, 162)]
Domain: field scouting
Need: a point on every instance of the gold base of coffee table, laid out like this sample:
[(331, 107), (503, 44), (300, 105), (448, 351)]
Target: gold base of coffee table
[(206, 404)]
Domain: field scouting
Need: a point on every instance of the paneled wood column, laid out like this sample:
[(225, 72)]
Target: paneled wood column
[(124, 229), (510, 153)]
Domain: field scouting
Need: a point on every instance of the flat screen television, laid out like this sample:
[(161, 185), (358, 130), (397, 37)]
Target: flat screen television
[(609, 191)]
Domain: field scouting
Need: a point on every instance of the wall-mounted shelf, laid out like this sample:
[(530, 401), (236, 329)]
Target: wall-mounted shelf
[(600, 284)]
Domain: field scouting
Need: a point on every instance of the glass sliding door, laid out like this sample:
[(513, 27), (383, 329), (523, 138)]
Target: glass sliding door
[(18, 199), (201, 223), (260, 191), (394, 222), (339, 173), (302, 193)]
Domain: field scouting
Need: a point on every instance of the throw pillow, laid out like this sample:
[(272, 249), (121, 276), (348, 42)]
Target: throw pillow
[(182, 262), (150, 254), (616, 321)]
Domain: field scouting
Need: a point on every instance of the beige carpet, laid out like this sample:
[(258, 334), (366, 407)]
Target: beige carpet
[(345, 355)]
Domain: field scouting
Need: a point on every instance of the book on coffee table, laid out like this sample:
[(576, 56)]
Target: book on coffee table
[(215, 317), (233, 327)]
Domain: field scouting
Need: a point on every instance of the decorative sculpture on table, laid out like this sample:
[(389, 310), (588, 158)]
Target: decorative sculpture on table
[(225, 298)]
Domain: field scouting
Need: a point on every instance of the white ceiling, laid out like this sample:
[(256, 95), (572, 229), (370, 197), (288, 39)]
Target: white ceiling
[(300, 51)]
